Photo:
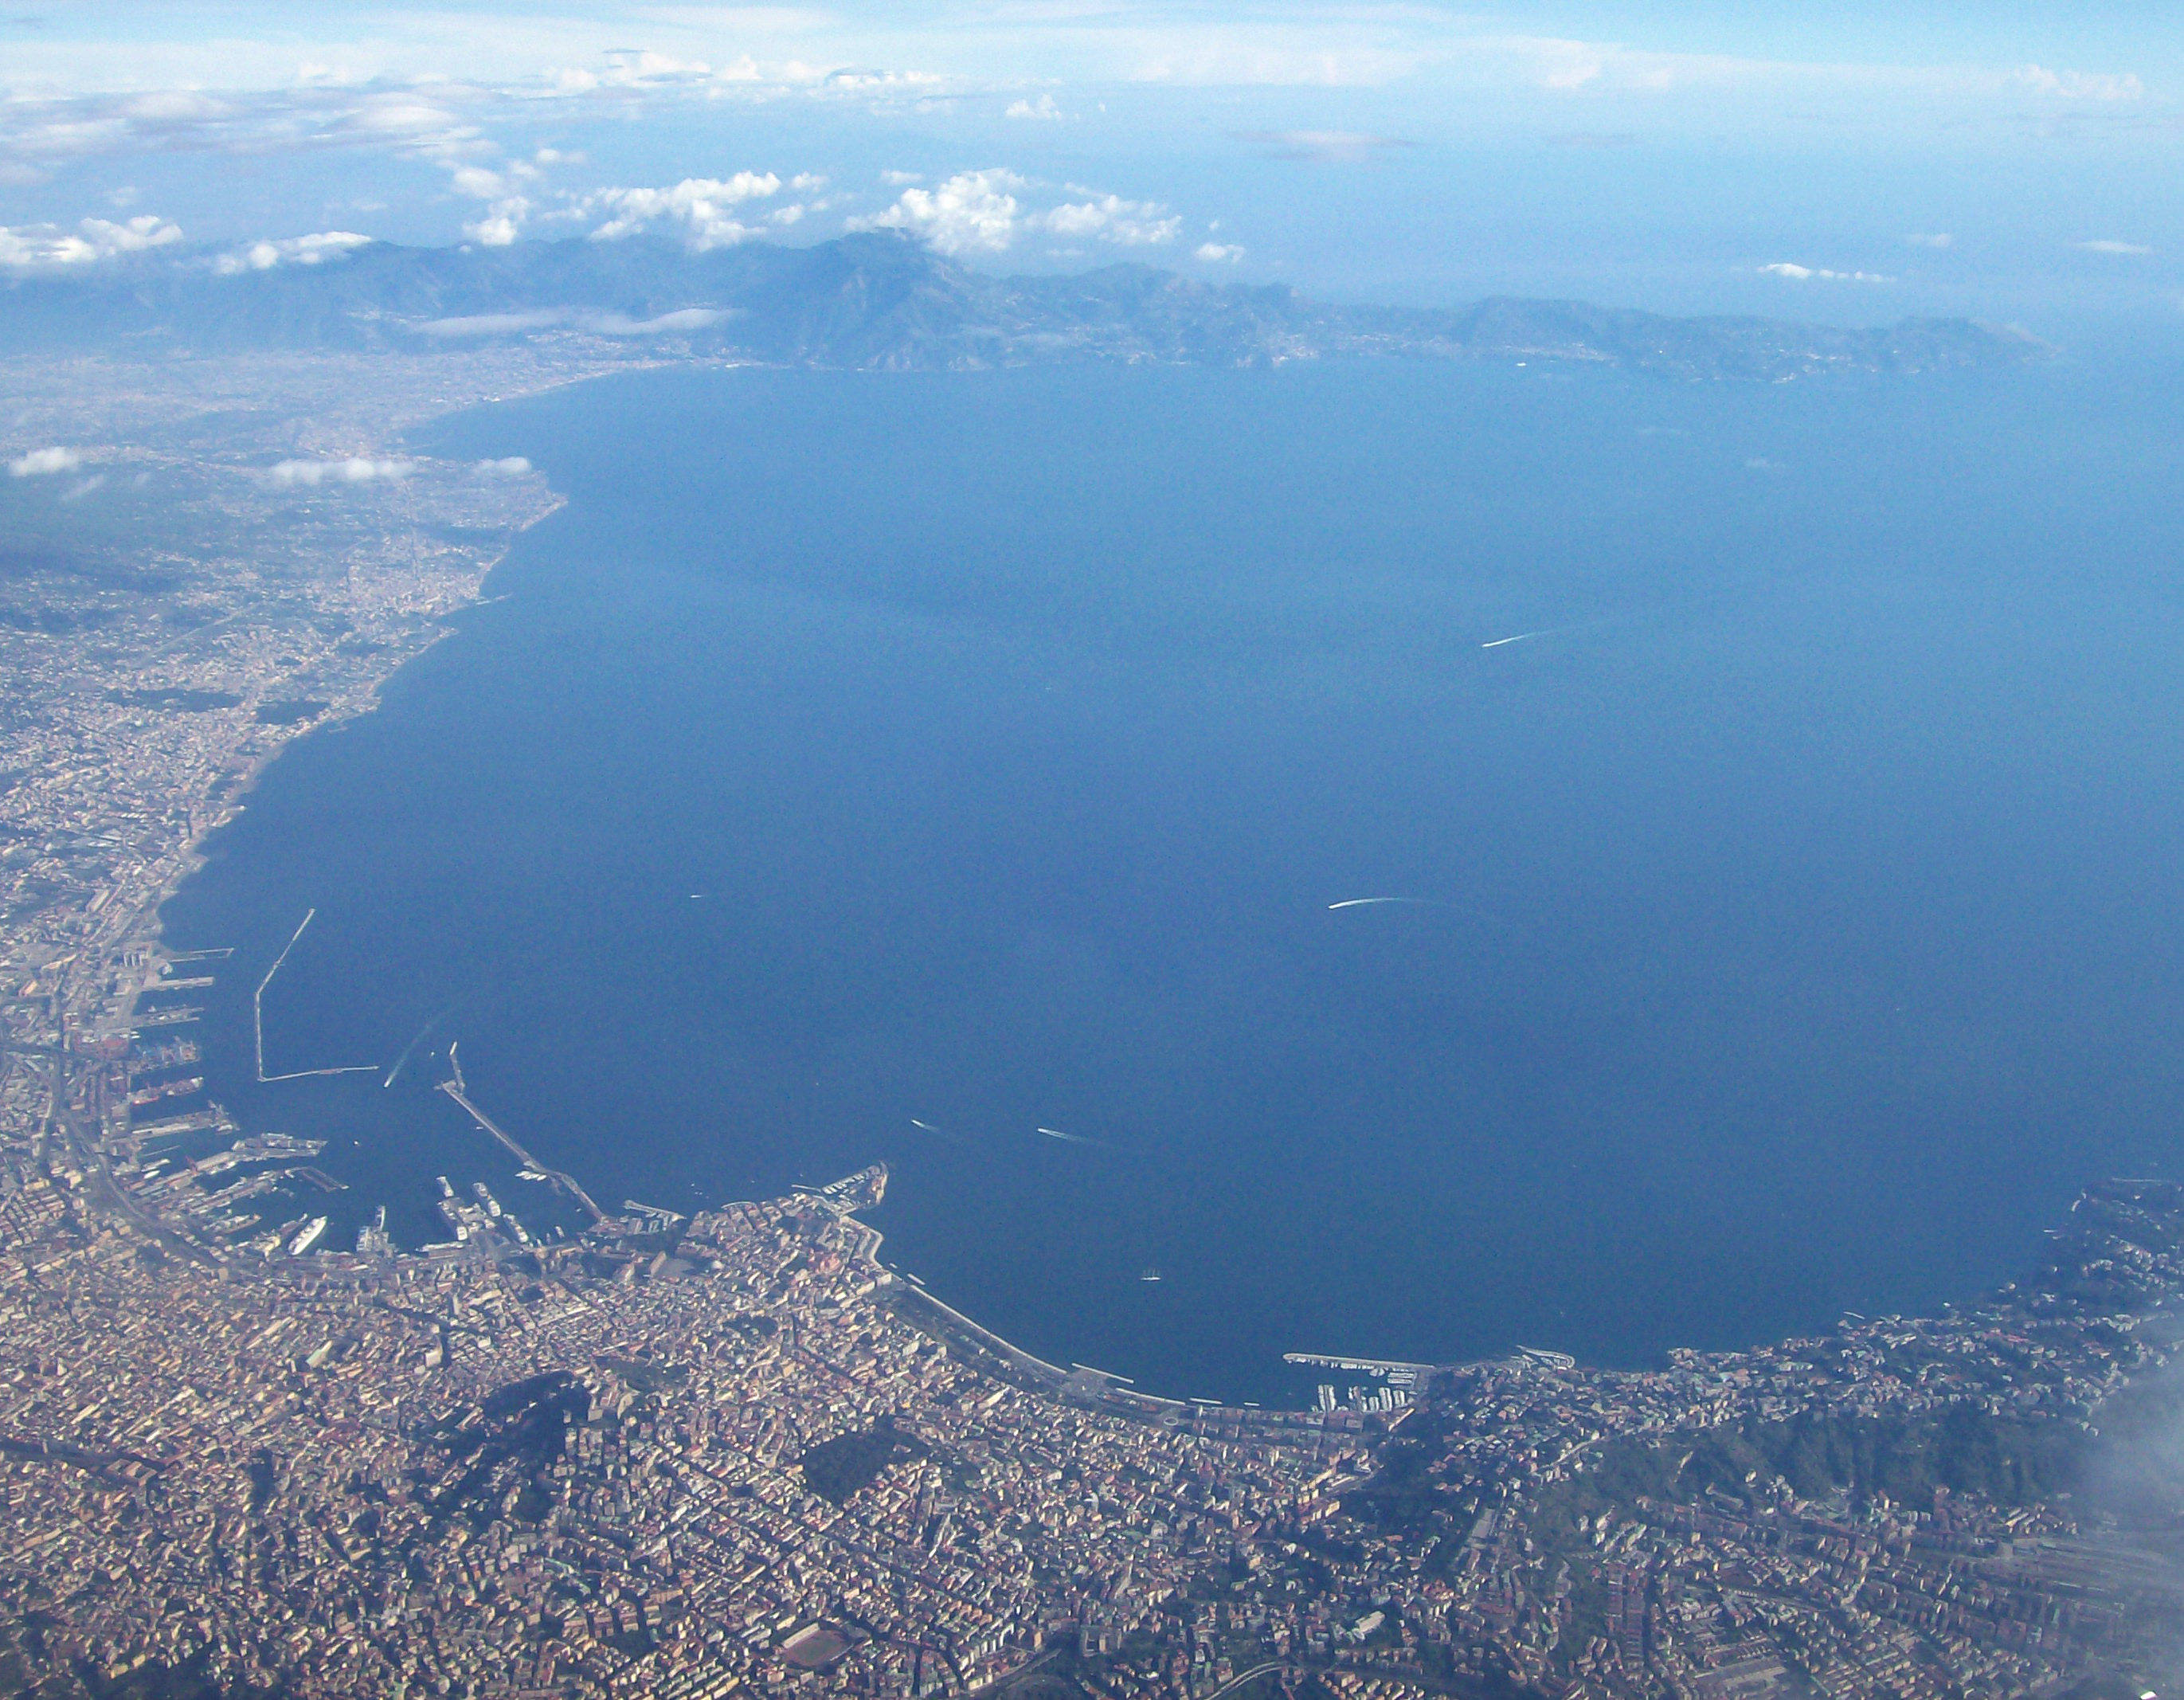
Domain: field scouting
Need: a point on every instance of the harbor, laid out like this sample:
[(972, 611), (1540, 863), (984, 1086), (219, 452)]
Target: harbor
[(453, 1087)]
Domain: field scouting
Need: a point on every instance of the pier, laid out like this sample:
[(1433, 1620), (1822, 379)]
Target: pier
[(1392, 1369), (454, 1089), (257, 1015)]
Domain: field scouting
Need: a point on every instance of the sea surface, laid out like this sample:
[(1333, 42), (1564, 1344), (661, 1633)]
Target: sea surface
[(1785, 786)]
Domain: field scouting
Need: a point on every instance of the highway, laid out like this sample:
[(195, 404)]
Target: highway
[(1251, 1675)]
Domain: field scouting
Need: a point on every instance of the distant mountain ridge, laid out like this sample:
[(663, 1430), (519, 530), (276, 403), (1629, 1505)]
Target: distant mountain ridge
[(882, 301)]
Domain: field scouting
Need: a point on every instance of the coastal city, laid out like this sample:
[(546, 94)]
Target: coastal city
[(736, 1452), (731, 1450), (261, 565)]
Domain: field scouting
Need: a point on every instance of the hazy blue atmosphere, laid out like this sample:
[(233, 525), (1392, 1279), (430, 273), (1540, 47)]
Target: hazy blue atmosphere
[(1794, 920), (1854, 163), (776, 780)]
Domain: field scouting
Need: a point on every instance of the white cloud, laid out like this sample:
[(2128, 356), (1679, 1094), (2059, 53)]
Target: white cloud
[(850, 81), (296, 250), (1566, 69), (502, 225), (410, 124), (478, 182), (39, 246), (646, 68), (400, 114), (896, 180), (1931, 239), (680, 320), (42, 463), (356, 470), (986, 211), (429, 95), (447, 55), (1217, 253), (1322, 147), (1783, 268), (1129, 224), (507, 467), (2093, 86), (746, 20), (173, 104), (703, 206), (666, 325), (1336, 51), (2107, 247), (475, 99), (973, 212), (509, 208), (491, 323)]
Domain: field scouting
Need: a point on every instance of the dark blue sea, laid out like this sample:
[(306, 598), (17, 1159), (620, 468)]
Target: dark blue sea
[(1793, 915)]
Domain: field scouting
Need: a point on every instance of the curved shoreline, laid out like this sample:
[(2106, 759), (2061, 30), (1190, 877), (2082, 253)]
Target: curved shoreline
[(147, 922), (529, 1121)]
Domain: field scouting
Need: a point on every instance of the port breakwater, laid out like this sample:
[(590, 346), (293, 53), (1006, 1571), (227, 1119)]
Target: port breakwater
[(567, 1183)]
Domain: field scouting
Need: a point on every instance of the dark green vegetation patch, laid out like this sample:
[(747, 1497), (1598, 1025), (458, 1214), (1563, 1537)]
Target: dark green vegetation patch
[(852, 1462)]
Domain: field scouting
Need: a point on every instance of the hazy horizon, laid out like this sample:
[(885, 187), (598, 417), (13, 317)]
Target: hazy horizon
[(2011, 166)]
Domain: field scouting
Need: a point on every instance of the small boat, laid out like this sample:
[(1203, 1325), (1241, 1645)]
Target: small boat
[(1150, 1276)]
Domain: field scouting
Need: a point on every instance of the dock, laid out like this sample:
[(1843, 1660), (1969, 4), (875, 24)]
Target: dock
[(567, 1183), (1381, 1369)]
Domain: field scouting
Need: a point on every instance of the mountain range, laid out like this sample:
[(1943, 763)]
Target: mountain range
[(884, 301)]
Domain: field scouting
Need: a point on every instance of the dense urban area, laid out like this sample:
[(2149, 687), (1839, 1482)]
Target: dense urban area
[(734, 1452)]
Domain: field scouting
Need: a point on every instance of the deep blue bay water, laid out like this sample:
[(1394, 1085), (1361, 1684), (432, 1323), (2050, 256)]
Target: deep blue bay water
[(1799, 923)]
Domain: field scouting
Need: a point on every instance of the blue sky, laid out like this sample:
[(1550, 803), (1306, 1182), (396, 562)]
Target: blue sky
[(2017, 162)]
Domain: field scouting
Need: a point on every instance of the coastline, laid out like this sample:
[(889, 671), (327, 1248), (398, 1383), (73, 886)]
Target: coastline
[(1328, 1336), (190, 857), (665, 1428), (139, 931), (143, 925)]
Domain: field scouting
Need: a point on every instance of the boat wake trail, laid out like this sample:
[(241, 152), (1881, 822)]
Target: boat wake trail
[(395, 1072)]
